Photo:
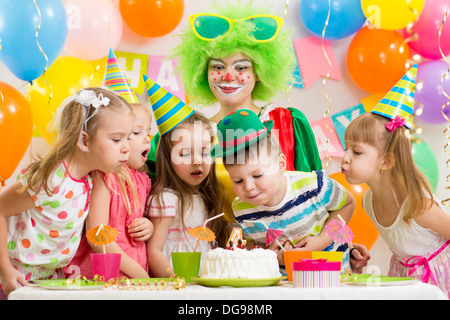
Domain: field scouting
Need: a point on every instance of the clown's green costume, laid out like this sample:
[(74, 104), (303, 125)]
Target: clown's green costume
[(230, 31)]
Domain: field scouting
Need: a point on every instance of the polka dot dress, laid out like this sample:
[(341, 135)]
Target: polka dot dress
[(45, 238)]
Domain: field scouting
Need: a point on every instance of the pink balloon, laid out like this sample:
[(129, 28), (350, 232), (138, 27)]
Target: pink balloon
[(94, 28), (427, 28)]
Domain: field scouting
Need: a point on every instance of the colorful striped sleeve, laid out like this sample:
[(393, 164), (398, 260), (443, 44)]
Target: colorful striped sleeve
[(332, 194)]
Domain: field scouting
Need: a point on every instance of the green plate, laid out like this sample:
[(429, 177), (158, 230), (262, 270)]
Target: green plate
[(67, 284), (241, 282), (377, 280)]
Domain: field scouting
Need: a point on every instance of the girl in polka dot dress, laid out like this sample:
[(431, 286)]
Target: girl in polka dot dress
[(118, 200), (42, 214)]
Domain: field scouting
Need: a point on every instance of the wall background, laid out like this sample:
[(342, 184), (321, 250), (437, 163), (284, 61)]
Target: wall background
[(344, 94)]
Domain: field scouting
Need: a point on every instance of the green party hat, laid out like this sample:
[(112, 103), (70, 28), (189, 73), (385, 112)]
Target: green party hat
[(399, 101), (169, 111), (116, 81), (238, 130)]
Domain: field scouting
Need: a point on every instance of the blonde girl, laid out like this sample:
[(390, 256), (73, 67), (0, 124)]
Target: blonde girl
[(400, 201), (42, 214), (185, 192), (118, 200)]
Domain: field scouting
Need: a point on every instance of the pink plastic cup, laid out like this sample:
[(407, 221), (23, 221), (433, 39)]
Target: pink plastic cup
[(106, 264)]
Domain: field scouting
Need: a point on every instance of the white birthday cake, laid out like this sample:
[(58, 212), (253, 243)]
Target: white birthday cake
[(240, 263)]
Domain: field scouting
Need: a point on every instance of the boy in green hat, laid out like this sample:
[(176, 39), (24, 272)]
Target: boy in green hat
[(299, 204)]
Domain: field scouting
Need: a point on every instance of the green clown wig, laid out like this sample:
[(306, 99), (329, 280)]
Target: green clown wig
[(274, 61)]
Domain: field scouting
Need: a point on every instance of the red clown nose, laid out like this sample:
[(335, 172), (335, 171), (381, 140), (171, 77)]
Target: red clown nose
[(228, 77)]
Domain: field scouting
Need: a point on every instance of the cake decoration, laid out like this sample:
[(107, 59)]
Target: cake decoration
[(235, 237), (102, 235), (240, 264), (204, 233)]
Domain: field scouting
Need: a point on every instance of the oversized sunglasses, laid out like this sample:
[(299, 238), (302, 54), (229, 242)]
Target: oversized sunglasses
[(208, 26)]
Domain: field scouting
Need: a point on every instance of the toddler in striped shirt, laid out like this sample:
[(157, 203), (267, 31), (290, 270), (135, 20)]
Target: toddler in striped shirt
[(299, 204)]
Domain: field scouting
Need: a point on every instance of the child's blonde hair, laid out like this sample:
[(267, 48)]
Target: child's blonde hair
[(126, 184), (210, 189), (69, 124), (371, 129)]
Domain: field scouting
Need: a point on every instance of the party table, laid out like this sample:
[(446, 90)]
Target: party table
[(415, 290)]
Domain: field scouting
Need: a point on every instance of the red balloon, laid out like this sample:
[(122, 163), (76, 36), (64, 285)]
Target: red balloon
[(16, 129), (363, 228), (375, 61), (152, 18)]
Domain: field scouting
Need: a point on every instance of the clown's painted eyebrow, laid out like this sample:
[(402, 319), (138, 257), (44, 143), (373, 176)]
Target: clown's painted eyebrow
[(217, 62), (242, 61)]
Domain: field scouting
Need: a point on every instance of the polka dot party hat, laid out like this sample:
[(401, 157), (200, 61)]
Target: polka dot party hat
[(116, 81), (169, 111), (400, 100), (238, 130)]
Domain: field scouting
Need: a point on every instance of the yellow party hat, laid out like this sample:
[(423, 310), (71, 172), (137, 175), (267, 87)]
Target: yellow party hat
[(400, 100), (116, 81), (169, 111)]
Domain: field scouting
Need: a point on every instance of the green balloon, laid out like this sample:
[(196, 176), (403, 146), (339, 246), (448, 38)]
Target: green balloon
[(426, 161)]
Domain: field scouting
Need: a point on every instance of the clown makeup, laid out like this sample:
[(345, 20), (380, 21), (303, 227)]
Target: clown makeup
[(231, 77)]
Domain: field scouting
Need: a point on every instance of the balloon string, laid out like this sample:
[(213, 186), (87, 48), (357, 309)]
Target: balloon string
[(417, 58), (413, 36), (43, 53), (323, 86), (95, 71), (445, 202), (286, 9)]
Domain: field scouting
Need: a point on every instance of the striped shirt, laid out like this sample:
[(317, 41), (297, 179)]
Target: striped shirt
[(302, 212)]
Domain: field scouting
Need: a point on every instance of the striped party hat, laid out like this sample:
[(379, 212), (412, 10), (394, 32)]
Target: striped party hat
[(400, 100), (169, 111), (116, 81)]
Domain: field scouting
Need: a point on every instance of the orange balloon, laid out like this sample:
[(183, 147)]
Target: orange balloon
[(364, 229), (152, 18), (374, 60), (16, 129)]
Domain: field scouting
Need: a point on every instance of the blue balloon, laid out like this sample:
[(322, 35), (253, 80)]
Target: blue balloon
[(19, 21), (346, 17)]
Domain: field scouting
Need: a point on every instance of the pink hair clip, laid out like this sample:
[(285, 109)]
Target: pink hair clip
[(395, 123)]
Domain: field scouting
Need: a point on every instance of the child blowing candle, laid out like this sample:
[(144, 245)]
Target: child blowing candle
[(42, 214), (400, 202), (299, 204), (185, 192), (118, 199)]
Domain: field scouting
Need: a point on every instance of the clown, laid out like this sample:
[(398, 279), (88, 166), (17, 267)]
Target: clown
[(238, 56)]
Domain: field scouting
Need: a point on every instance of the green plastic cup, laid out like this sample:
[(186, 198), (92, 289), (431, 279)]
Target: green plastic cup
[(186, 264)]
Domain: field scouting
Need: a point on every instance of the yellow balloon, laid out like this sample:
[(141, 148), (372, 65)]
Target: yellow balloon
[(392, 14), (99, 67), (64, 78)]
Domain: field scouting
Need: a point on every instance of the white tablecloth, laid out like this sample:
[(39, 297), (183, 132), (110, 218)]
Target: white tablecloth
[(282, 291)]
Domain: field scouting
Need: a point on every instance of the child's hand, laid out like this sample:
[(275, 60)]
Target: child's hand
[(287, 245), (311, 243), (359, 257), (141, 229), (10, 280)]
